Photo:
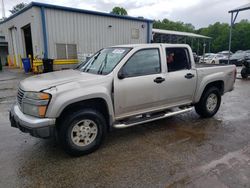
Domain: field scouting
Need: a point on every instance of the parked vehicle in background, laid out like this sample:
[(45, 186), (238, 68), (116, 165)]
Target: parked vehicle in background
[(236, 58), (204, 57), (226, 53), (239, 51), (245, 71), (247, 52), (118, 87), (212, 58)]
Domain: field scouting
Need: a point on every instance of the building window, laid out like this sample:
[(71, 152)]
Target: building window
[(135, 33), (72, 52), (66, 51), (61, 51)]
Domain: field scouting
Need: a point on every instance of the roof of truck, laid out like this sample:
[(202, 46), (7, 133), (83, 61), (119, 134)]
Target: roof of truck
[(150, 45)]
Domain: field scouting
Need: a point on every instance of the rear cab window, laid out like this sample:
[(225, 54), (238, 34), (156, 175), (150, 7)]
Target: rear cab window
[(177, 59)]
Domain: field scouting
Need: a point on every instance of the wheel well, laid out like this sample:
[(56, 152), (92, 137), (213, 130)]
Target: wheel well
[(98, 104), (219, 84)]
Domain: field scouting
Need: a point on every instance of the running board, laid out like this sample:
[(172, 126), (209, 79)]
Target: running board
[(146, 120)]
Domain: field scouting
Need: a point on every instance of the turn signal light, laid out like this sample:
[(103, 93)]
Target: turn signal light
[(42, 110)]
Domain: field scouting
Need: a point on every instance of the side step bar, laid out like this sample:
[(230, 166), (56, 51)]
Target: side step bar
[(146, 120)]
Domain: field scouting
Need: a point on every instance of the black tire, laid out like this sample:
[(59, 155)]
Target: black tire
[(71, 120), (244, 73), (213, 62), (202, 108)]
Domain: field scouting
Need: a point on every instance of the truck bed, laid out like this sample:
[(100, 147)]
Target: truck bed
[(208, 72), (201, 65)]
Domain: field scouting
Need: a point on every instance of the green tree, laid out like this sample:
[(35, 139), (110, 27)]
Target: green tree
[(171, 25), (119, 11), (241, 36), (220, 35), (17, 7)]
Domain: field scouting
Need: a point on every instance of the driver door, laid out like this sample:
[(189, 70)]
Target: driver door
[(136, 90)]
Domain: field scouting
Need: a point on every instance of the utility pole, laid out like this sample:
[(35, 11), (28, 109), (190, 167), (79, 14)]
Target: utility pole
[(3, 10)]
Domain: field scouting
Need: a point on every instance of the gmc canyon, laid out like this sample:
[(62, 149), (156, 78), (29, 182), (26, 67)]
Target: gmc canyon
[(118, 87)]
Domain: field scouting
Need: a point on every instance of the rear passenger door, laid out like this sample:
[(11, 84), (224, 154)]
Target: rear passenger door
[(135, 88), (180, 84)]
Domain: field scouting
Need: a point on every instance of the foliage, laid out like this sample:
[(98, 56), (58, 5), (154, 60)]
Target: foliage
[(220, 36), (119, 11), (241, 36), (170, 25), (218, 31), (17, 7)]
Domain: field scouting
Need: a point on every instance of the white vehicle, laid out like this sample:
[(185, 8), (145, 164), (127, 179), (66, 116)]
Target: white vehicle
[(226, 53), (211, 58)]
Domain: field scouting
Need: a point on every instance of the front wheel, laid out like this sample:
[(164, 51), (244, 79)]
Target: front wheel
[(82, 132), (244, 73), (209, 103)]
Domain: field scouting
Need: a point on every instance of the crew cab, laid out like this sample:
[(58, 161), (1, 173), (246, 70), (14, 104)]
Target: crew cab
[(118, 87)]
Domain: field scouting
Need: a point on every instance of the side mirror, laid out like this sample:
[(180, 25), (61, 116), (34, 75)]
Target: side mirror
[(121, 75)]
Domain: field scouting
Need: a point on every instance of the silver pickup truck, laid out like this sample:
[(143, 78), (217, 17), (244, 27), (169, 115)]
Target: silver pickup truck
[(118, 87)]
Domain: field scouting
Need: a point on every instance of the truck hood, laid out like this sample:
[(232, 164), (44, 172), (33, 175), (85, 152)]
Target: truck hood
[(48, 80)]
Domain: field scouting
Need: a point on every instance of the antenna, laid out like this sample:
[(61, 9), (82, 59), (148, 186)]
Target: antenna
[(3, 10)]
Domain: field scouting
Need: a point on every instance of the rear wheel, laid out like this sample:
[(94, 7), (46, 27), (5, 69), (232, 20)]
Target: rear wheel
[(209, 103), (244, 73), (82, 132)]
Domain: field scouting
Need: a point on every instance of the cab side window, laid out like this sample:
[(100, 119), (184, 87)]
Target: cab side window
[(177, 59), (143, 62)]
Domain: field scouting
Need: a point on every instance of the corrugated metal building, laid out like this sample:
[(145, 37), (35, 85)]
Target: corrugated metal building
[(3, 50), (50, 31)]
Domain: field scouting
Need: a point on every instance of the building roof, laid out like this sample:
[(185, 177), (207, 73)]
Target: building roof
[(170, 32), (241, 8), (70, 9)]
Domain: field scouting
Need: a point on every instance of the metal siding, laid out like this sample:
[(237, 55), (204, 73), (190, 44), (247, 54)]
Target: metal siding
[(37, 37), (30, 16), (150, 27), (89, 32), (45, 42)]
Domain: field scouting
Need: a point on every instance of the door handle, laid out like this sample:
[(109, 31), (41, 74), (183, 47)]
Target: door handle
[(159, 80), (189, 76)]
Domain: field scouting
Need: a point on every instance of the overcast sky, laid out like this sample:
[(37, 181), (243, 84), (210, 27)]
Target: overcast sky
[(200, 13)]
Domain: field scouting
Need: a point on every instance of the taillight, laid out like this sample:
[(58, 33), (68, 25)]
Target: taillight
[(235, 73)]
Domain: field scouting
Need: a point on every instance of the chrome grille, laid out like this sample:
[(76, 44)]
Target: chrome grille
[(20, 95)]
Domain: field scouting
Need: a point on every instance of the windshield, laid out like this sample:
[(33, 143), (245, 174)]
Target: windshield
[(104, 61), (211, 56), (208, 54), (238, 55)]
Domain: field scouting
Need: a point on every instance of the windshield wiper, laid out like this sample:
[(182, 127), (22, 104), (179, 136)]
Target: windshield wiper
[(103, 65), (86, 69)]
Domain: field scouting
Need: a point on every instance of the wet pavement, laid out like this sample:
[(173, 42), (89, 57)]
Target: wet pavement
[(181, 151)]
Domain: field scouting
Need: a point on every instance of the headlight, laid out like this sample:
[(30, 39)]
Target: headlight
[(37, 95), (38, 111), (35, 103)]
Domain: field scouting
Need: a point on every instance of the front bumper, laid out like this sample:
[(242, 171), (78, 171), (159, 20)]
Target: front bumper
[(37, 127)]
